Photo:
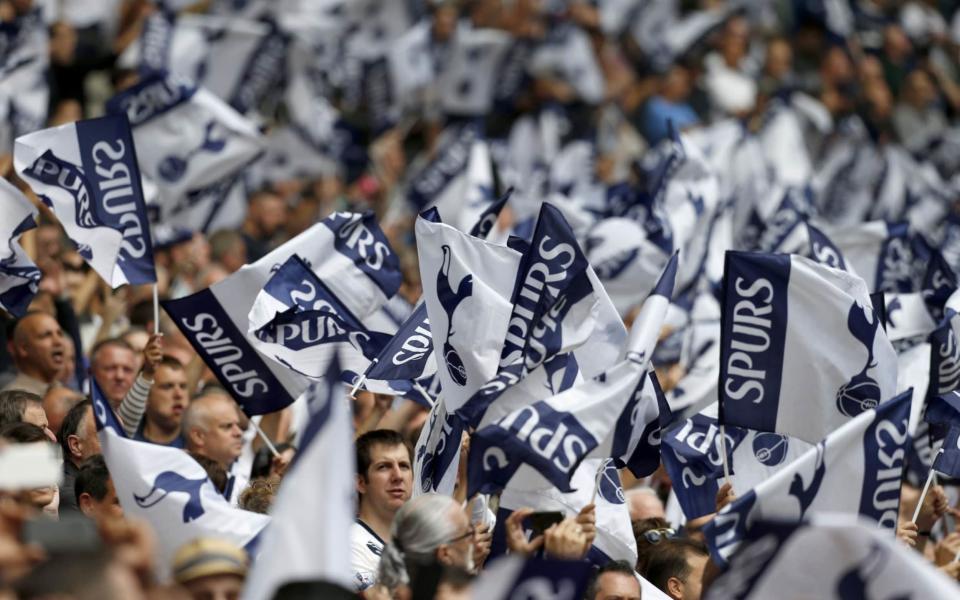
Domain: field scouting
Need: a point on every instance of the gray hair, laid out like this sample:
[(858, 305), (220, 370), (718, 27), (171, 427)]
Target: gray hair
[(420, 527)]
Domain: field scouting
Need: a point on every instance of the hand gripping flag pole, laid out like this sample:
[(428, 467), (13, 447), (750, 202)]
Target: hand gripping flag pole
[(923, 494)]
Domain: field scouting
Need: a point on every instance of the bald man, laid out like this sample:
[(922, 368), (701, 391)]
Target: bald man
[(38, 352), (211, 426)]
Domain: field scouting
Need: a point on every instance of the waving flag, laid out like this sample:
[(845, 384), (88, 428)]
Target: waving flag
[(945, 357), (948, 459), (563, 326), (408, 355), (614, 541), (517, 577), (305, 539), (855, 470), (437, 453), (191, 144), (782, 311), (299, 322), (939, 283), (638, 432), (169, 490), (87, 173), (848, 560), (347, 251), (466, 84), (540, 444), (459, 179), (692, 456), (886, 255), (907, 317), (18, 275), (467, 286)]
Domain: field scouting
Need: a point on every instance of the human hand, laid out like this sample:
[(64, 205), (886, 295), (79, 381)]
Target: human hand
[(517, 541), (947, 549), (152, 354), (482, 541), (935, 505), (725, 495), (907, 533), (566, 540), (587, 519), (951, 570), (279, 463)]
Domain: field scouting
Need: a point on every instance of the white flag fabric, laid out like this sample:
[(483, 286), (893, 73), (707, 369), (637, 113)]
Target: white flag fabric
[(87, 173), (190, 143), (828, 557), (854, 470), (467, 286), (437, 454), (467, 82), (879, 252), (784, 317), (692, 456), (169, 490), (615, 540), (306, 537), (19, 277), (347, 251), (298, 321)]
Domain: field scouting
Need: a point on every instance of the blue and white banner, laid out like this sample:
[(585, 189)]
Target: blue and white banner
[(615, 540), (884, 254), (784, 317), (944, 411), (169, 490), (191, 144), (314, 510), (853, 470), (945, 357), (948, 459), (299, 322), (638, 432), (907, 317), (19, 277), (347, 251), (87, 173), (466, 84), (408, 355), (459, 169), (24, 77), (939, 283), (437, 454), (828, 557), (540, 444), (467, 286), (625, 260), (692, 456), (514, 577)]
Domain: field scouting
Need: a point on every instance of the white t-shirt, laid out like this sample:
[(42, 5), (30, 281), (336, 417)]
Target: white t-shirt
[(365, 550)]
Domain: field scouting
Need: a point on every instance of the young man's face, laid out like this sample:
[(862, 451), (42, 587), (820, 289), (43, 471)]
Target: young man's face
[(389, 478), (107, 508), (168, 397)]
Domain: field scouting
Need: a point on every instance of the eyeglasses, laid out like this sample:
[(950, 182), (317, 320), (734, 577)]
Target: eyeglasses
[(469, 534), (654, 536)]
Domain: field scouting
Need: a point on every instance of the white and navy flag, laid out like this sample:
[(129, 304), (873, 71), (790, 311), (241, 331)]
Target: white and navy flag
[(347, 251), (467, 287), (87, 173), (19, 277), (691, 453), (169, 490), (469, 77), (298, 321), (305, 539), (192, 145), (437, 453), (828, 557), (408, 355), (563, 327), (888, 256), (515, 577), (945, 357), (853, 470), (541, 444), (784, 317), (948, 459)]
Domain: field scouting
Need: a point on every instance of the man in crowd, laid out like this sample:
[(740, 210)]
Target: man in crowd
[(210, 568), (165, 406), (384, 481), (113, 364), (19, 406), (676, 567), (94, 491), (211, 428), (37, 350), (614, 581), (57, 402), (78, 438)]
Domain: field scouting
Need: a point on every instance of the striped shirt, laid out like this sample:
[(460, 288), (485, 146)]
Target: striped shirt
[(134, 404)]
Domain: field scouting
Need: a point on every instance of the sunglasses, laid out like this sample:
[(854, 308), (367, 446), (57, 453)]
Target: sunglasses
[(654, 536)]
